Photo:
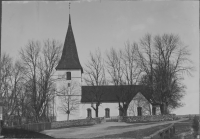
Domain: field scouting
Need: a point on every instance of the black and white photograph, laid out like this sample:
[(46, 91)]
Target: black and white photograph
[(99, 69)]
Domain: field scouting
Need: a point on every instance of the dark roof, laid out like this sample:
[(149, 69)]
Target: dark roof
[(111, 93), (69, 58)]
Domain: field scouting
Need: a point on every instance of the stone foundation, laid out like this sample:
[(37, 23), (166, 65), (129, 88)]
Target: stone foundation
[(149, 118), (38, 127), (80, 122)]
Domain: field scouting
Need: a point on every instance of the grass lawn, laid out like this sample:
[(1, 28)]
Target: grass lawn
[(139, 134), (21, 133)]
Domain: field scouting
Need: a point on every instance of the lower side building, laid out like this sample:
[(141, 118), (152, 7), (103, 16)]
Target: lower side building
[(109, 98)]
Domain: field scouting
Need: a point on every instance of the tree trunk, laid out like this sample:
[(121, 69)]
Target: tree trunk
[(36, 119), (67, 117), (163, 108), (166, 108), (120, 112), (125, 108), (125, 112), (97, 111)]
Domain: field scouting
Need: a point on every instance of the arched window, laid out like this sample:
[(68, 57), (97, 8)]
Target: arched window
[(107, 112), (89, 112)]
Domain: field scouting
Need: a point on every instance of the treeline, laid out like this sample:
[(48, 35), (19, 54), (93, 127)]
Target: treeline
[(157, 62), (27, 84)]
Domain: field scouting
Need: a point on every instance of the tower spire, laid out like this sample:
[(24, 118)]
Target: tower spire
[(69, 59), (69, 14), (69, 8)]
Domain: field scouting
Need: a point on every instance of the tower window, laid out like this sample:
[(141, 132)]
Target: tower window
[(68, 75), (68, 84)]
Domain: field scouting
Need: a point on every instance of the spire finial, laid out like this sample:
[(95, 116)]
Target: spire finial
[(69, 7), (69, 14)]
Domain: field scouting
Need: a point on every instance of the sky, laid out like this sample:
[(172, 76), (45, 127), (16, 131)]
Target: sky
[(105, 24)]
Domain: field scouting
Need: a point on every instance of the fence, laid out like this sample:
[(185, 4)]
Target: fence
[(139, 119), (112, 119), (60, 124), (165, 133), (36, 126), (149, 118)]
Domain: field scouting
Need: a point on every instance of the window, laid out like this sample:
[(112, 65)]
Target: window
[(68, 75), (139, 110), (89, 112), (68, 84), (107, 112)]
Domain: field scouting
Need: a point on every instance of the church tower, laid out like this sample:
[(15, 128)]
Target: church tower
[(69, 76)]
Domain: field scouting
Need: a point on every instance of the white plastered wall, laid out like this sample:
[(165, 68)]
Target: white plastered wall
[(139, 101), (76, 82), (112, 106)]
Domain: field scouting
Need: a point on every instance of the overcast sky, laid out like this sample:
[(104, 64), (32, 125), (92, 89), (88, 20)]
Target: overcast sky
[(105, 25)]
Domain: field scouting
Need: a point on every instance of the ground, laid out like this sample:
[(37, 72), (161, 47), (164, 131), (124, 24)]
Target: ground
[(184, 128), (21, 133), (101, 130)]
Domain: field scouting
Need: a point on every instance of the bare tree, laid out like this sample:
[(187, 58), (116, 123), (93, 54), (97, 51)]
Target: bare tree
[(115, 66), (70, 99), (17, 82), (12, 85), (6, 68), (131, 67), (30, 58), (95, 77), (115, 69), (39, 67), (125, 73), (48, 60), (5, 86), (164, 60)]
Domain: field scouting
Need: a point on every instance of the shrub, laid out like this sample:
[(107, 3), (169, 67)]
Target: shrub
[(195, 123)]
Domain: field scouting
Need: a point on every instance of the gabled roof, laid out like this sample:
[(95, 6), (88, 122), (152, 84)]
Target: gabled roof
[(69, 58), (112, 93)]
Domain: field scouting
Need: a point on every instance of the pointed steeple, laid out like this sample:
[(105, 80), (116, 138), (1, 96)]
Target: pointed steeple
[(69, 59)]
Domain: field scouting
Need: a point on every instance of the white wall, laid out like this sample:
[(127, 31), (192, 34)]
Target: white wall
[(61, 116), (139, 101), (75, 77), (75, 89), (112, 106)]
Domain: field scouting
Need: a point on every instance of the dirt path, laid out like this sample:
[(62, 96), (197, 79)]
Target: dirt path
[(100, 129)]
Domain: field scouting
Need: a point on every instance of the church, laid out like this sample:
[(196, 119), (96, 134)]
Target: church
[(76, 101)]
